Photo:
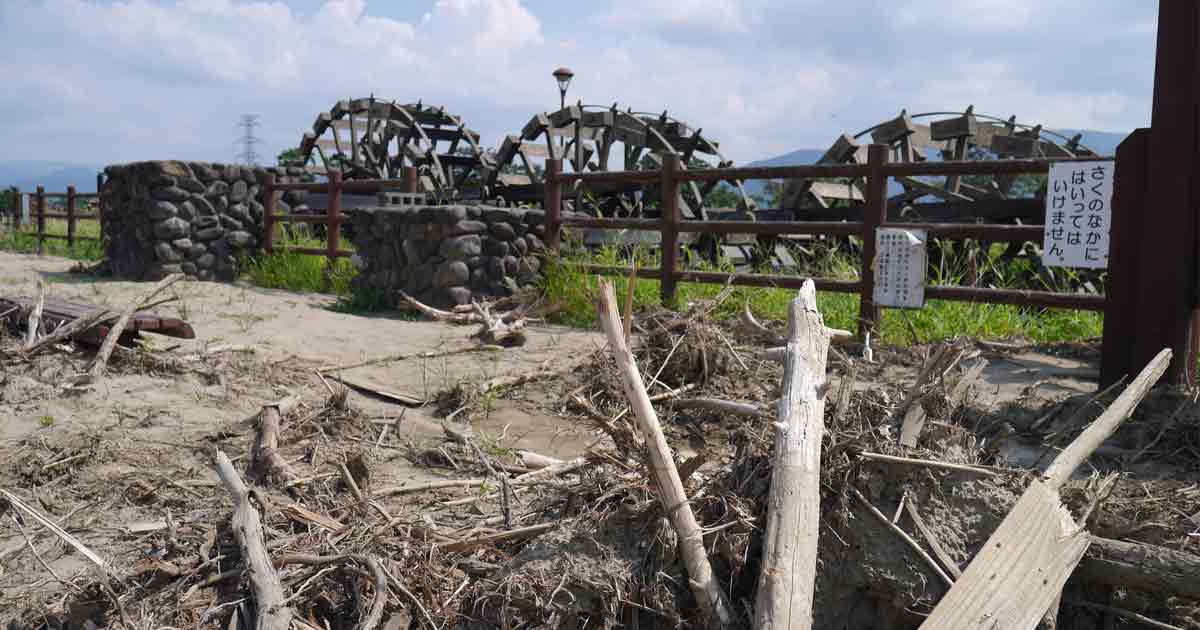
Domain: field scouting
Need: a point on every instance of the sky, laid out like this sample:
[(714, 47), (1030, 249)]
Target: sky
[(103, 82)]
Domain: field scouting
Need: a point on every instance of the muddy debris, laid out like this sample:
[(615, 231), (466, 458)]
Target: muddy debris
[(494, 537)]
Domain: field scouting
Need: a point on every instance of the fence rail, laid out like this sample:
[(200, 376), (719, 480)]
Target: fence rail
[(333, 218), (39, 214), (876, 172)]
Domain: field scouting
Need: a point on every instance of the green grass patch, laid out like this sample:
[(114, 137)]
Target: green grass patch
[(305, 273), (25, 241), (566, 283)]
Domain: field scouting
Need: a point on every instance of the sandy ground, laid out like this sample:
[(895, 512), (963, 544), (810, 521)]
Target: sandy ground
[(176, 416)]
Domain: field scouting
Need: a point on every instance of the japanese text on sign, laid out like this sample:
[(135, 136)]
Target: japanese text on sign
[(1078, 214), (900, 267)]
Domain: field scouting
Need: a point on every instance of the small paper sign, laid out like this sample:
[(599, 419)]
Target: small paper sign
[(1078, 214), (900, 267)]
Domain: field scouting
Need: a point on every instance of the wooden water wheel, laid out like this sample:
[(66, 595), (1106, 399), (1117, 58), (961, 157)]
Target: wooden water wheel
[(951, 136), (598, 138), (370, 138)]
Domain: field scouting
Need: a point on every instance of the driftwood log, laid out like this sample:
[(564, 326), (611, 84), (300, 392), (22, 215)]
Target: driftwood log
[(1023, 566), (273, 612), (786, 583), (35, 318), (268, 462), (701, 579)]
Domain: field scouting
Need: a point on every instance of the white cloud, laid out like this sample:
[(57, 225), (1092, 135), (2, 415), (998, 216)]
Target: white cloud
[(144, 79)]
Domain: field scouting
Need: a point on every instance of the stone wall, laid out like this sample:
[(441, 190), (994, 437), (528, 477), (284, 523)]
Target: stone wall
[(194, 218), (445, 255)]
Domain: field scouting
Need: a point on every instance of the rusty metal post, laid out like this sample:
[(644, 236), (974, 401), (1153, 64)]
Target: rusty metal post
[(71, 217), (268, 220), (100, 203), (669, 202), (333, 232), (16, 210), (1167, 275), (41, 220), (409, 179), (874, 214), (1124, 257), (553, 203)]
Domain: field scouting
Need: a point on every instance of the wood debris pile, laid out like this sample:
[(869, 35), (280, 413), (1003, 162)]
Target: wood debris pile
[(731, 483)]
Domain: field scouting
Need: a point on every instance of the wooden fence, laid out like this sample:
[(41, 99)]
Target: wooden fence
[(72, 215), (333, 218), (875, 172)]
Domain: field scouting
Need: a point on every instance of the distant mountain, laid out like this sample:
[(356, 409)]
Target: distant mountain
[(54, 176), (1102, 142)]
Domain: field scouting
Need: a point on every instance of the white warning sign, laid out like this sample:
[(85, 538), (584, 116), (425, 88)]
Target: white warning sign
[(1078, 214), (900, 267)]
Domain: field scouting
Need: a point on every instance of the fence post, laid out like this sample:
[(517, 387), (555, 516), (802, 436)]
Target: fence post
[(71, 217), (1124, 257), (553, 203), (268, 192), (874, 213), (100, 204), (410, 179), (16, 211), (333, 231), (41, 220), (669, 195)]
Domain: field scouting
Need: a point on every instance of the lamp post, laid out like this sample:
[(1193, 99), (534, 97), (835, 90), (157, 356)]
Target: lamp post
[(563, 76)]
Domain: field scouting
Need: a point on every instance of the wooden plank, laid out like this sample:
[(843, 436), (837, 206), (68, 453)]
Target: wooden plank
[(953, 128), (532, 150), (894, 129), (56, 313), (831, 190)]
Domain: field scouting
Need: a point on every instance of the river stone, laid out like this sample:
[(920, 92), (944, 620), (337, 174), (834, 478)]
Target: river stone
[(520, 246), (217, 189), (159, 180), (256, 210), (529, 266), (187, 210), (205, 222), (479, 279), (204, 274), (495, 268), (461, 247), (493, 247), (240, 239), (162, 210), (191, 185), (458, 296), (535, 243), (454, 273), (158, 272), (467, 227), (446, 215), (165, 253), (503, 231), (230, 223), (206, 261), (535, 217), (220, 204), (170, 193), (205, 172), (506, 215), (511, 265), (170, 229), (238, 191), (197, 250), (420, 279), (209, 234), (182, 244), (188, 267)]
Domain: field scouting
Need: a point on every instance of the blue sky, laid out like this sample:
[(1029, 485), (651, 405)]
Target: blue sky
[(115, 81)]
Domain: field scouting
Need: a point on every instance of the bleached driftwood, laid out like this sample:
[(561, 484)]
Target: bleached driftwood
[(35, 317), (269, 462), (269, 601), (1022, 568), (701, 579), (786, 582)]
